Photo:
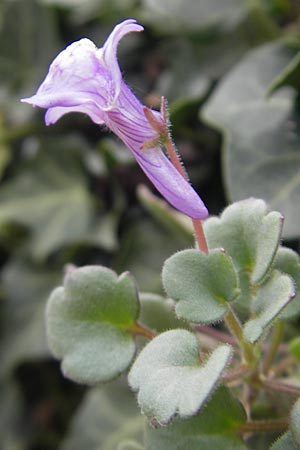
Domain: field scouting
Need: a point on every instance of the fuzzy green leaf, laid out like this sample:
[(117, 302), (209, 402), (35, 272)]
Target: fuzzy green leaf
[(249, 234), (202, 285), (222, 415), (288, 261), (170, 379), (271, 298), (158, 313), (88, 323)]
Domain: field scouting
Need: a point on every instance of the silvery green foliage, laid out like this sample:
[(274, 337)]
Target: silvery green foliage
[(247, 280)]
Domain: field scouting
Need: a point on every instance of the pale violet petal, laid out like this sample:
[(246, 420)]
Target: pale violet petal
[(170, 183), (109, 50), (54, 114)]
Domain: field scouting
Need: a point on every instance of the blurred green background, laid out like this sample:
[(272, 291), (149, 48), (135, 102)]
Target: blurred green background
[(230, 70)]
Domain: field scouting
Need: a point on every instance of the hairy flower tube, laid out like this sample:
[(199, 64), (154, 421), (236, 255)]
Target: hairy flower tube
[(87, 79)]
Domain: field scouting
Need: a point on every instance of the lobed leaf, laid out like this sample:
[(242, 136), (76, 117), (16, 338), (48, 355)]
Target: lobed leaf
[(202, 285), (249, 234), (170, 379), (88, 323), (158, 313), (214, 428), (271, 298), (288, 261)]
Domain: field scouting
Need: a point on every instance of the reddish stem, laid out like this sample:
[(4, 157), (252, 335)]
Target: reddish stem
[(141, 330)]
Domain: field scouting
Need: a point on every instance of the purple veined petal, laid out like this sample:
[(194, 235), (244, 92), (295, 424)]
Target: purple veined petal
[(76, 76), (54, 114), (85, 79), (109, 50), (170, 183)]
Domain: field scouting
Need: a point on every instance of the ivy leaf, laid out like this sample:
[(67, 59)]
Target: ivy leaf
[(249, 233), (166, 15), (271, 298), (105, 417), (290, 76), (52, 201), (169, 378), (202, 285), (213, 428), (89, 321), (261, 144)]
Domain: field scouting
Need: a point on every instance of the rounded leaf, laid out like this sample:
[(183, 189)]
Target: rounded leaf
[(271, 298), (170, 379), (249, 234), (88, 323), (201, 284)]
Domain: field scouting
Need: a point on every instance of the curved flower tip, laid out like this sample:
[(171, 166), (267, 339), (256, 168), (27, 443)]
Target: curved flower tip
[(83, 78)]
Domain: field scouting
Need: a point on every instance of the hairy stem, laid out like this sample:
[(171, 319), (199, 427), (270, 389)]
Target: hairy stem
[(139, 329), (174, 157), (272, 350), (234, 325)]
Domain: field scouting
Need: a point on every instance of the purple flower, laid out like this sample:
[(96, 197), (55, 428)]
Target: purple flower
[(83, 78)]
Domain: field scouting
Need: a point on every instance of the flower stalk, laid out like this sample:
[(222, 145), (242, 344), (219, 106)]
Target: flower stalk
[(166, 140)]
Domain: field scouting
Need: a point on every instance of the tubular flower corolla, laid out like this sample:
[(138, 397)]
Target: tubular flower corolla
[(87, 79)]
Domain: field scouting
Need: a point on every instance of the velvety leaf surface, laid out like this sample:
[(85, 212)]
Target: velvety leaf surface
[(222, 414), (158, 313), (288, 261), (249, 233), (202, 285), (88, 321), (271, 298), (170, 379), (261, 145)]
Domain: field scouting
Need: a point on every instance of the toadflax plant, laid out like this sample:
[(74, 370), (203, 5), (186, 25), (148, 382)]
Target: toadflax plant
[(219, 376)]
